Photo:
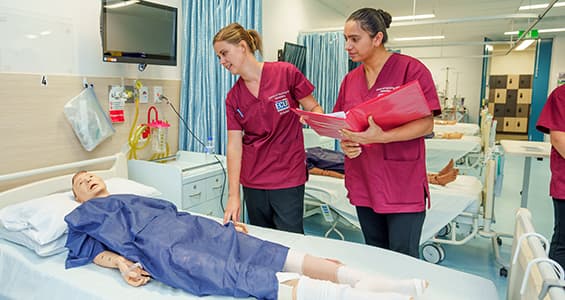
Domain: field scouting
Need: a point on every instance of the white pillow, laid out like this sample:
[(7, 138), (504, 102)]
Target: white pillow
[(52, 248), (42, 219)]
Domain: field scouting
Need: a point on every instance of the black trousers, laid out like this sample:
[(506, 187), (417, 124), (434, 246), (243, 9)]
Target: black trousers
[(281, 209), (398, 232), (557, 248)]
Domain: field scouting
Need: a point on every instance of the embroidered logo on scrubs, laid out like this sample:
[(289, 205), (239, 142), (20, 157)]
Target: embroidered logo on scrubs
[(281, 105)]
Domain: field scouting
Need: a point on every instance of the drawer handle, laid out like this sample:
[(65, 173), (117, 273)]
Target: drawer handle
[(210, 213), (195, 194), (217, 187)]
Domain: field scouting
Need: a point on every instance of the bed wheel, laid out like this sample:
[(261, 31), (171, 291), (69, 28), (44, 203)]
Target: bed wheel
[(444, 231), (499, 241), (433, 253), (503, 272)]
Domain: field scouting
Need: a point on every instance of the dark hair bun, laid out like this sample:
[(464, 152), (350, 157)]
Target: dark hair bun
[(387, 18)]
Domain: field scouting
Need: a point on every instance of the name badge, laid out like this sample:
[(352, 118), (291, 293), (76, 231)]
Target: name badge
[(281, 105)]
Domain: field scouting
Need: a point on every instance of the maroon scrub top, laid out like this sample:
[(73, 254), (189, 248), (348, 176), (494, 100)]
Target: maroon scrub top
[(391, 177), (552, 118), (273, 144)]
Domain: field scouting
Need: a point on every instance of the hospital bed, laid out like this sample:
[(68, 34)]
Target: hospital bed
[(24, 275), (458, 212), (532, 274), (465, 128), (468, 152)]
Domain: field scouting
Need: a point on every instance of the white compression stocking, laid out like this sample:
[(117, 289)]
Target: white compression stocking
[(294, 262), (376, 283), (313, 289)]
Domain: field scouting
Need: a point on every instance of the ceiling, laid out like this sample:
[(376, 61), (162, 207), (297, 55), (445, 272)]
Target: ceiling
[(460, 21)]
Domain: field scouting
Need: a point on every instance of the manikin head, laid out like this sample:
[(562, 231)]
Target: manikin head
[(87, 186)]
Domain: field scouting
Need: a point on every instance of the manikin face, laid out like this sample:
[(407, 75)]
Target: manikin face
[(358, 43), (231, 56), (87, 186)]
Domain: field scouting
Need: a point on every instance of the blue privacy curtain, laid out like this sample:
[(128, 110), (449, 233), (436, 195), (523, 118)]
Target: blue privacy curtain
[(326, 64), (205, 83)]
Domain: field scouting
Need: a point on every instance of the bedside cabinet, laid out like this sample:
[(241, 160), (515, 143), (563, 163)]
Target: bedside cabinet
[(193, 181)]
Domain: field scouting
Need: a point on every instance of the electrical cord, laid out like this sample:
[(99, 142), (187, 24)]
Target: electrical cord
[(163, 97)]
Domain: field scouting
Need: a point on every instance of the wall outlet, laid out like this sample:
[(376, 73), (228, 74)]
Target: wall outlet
[(157, 92), (144, 94)]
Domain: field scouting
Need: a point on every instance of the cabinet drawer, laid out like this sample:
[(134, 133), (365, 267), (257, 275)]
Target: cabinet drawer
[(209, 208), (193, 193), (500, 96), (214, 186), (524, 96), (521, 125)]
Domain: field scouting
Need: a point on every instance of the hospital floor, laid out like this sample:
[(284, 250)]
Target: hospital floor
[(477, 256)]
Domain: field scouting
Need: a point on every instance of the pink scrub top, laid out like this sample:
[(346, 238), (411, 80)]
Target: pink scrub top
[(552, 118), (273, 144), (391, 177)]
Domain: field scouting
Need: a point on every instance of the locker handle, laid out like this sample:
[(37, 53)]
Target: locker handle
[(510, 80), (507, 123), (518, 124), (521, 96), (195, 194)]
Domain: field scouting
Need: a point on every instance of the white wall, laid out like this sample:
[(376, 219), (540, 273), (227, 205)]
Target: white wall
[(516, 62), (283, 20), (74, 45), (557, 62)]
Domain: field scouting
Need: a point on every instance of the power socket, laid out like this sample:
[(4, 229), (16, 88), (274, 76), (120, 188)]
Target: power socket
[(157, 93), (144, 94)]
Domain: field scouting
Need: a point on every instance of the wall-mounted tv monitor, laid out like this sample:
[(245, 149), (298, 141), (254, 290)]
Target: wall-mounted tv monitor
[(296, 55), (138, 32)]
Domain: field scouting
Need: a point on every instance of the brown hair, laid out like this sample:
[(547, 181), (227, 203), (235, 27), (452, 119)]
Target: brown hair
[(372, 21), (235, 33)]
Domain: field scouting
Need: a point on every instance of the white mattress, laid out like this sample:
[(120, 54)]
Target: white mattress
[(447, 202), (440, 151), (24, 275), (465, 128)]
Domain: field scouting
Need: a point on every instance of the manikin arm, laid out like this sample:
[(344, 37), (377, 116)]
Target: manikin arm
[(132, 274)]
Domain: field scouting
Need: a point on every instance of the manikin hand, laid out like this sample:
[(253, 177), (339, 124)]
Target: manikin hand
[(233, 210), (132, 273), (240, 227)]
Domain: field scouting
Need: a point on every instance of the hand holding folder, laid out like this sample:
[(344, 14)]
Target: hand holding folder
[(397, 107)]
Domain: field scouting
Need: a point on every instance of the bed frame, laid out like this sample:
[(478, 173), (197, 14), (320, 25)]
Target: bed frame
[(59, 183), (532, 273), (21, 268)]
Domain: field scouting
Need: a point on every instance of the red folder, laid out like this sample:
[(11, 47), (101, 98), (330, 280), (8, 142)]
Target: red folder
[(397, 107)]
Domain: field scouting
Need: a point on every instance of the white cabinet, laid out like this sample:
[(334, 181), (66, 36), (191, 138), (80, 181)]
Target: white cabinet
[(193, 181)]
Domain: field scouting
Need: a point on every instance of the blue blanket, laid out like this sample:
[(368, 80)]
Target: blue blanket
[(192, 253)]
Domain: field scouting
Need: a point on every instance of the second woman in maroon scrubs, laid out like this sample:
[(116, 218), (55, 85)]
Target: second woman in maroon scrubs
[(385, 171), (265, 143)]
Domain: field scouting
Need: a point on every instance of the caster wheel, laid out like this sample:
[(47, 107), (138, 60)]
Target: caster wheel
[(433, 253), (499, 241), (503, 272), (444, 231)]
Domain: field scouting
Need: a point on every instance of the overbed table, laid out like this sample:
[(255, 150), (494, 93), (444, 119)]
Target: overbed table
[(527, 149)]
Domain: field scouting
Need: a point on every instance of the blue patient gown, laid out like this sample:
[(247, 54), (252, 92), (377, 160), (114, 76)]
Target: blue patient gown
[(192, 253)]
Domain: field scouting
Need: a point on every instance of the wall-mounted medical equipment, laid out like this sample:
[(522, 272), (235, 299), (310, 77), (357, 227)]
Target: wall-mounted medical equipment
[(140, 32), (154, 130), (88, 120)]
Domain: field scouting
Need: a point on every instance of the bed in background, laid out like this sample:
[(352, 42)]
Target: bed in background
[(25, 275)]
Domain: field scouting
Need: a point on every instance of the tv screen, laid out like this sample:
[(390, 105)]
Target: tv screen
[(139, 32), (295, 54)]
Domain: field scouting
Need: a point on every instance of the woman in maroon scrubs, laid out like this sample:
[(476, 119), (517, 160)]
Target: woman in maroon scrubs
[(265, 143), (385, 171)]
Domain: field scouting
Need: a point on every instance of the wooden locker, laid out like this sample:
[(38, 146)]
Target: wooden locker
[(521, 125), (512, 81), (509, 124), (510, 110), (500, 96), (525, 81), (499, 110), (500, 82), (499, 124), (491, 108), (524, 96), (522, 110), (491, 94)]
